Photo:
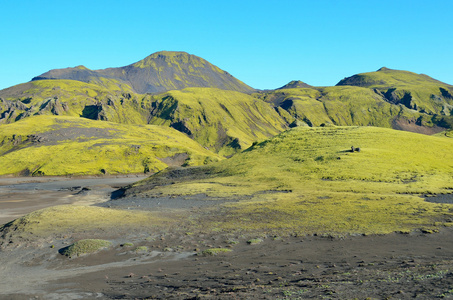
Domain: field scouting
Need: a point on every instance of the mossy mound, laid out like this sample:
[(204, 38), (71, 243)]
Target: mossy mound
[(214, 251), (84, 247)]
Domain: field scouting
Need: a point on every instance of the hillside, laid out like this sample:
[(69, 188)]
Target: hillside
[(224, 121), (72, 98), (56, 145), (387, 98), (415, 91), (227, 121), (347, 106), (307, 180), (157, 73)]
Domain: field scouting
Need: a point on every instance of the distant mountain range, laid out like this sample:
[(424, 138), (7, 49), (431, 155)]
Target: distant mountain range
[(221, 113)]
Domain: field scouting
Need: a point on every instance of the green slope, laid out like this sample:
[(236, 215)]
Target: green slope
[(72, 98), (354, 105), (57, 145), (415, 91), (307, 180), (223, 121), (345, 106)]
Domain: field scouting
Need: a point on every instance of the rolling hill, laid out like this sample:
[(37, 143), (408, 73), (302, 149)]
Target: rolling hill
[(415, 91), (157, 73), (307, 180), (58, 145), (219, 112), (387, 98), (225, 121)]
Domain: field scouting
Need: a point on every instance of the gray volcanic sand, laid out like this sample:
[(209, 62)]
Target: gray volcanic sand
[(393, 266), (22, 195)]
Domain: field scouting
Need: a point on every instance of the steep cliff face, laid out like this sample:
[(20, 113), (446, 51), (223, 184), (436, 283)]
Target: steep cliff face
[(159, 72)]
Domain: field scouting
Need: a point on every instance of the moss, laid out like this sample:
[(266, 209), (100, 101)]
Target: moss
[(254, 241), (283, 185), (84, 247), (214, 251), (81, 147), (141, 249)]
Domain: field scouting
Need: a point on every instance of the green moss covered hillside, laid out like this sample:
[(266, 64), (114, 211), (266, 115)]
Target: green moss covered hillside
[(307, 180), (415, 91), (57, 145)]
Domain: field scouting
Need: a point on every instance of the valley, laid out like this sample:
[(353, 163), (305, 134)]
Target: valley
[(170, 178)]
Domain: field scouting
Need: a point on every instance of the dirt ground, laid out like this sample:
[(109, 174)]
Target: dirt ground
[(172, 266), (391, 266), (22, 195)]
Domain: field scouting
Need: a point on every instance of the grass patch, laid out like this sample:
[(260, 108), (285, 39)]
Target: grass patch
[(141, 249), (214, 251), (254, 241), (84, 247)]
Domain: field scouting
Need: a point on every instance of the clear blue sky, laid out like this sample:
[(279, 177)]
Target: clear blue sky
[(266, 44)]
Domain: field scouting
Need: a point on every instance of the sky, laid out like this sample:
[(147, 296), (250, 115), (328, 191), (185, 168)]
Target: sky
[(265, 44)]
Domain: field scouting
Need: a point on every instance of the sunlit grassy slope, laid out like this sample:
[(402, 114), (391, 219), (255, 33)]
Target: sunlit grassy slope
[(344, 106), (73, 98), (56, 145), (416, 91), (223, 121), (306, 180)]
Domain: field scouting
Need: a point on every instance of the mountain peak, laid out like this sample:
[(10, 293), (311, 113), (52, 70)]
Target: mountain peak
[(294, 84), (159, 72), (166, 56), (384, 69)]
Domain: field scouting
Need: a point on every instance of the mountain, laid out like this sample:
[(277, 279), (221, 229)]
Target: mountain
[(295, 84), (227, 121), (157, 73), (347, 106), (59, 145), (386, 98), (415, 91), (224, 121)]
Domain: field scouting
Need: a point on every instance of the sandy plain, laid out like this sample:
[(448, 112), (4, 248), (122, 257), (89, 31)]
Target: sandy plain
[(394, 266)]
